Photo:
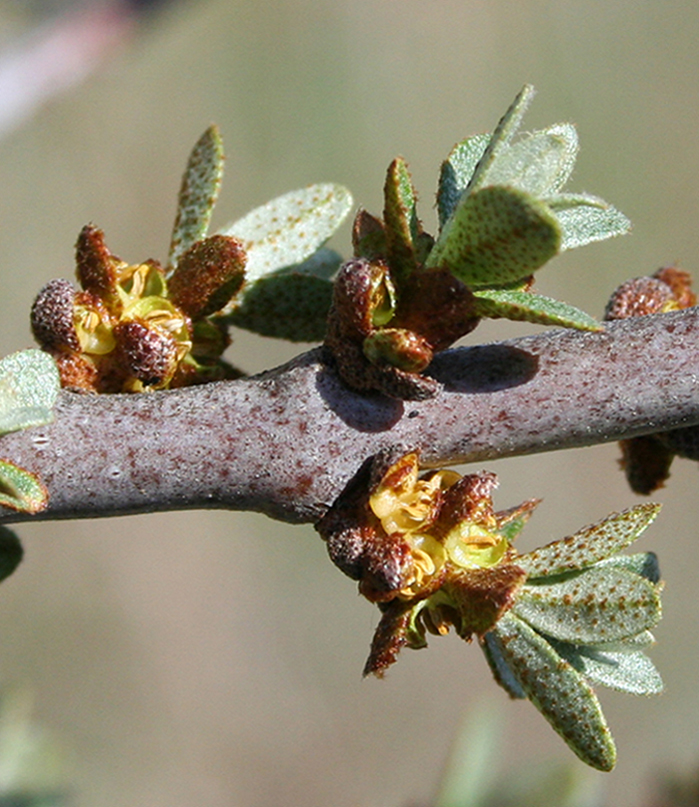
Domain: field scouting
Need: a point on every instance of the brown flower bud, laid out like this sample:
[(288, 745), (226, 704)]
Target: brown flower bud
[(97, 268), (208, 275), (52, 316), (148, 355)]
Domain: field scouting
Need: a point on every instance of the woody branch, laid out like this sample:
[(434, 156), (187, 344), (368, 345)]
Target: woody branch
[(284, 443)]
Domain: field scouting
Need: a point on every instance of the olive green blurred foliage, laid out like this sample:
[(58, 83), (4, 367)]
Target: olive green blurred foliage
[(214, 658)]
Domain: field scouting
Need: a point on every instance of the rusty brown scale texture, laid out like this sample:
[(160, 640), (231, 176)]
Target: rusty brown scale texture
[(389, 638), (483, 597), (96, 267), (469, 499), (146, 354), (434, 309), (208, 275), (52, 317), (437, 306), (359, 546), (368, 236), (360, 374), (77, 372)]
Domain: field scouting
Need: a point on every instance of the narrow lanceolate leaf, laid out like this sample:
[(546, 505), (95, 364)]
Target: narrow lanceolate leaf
[(496, 236), (456, 173), (590, 544), (292, 306), (626, 671), (539, 163), (584, 219), (29, 386), (20, 489), (557, 690), (504, 131), (198, 193), (527, 307), (290, 228), (599, 604), (401, 223), (11, 552)]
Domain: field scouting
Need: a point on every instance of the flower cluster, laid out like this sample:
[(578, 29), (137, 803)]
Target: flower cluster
[(130, 328), (432, 552), (646, 460), (147, 326), (502, 215)]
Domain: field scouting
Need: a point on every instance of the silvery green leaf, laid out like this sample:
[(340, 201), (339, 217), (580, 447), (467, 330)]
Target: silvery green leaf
[(20, 489), (643, 563), (584, 219), (598, 604), (29, 386), (590, 544), (502, 673), (401, 224), (290, 228), (456, 173), (288, 305), (631, 671), (504, 131), (10, 552), (557, 690), (639, 641), (496, 236), (198, 193), (540, 163), (528, 307)]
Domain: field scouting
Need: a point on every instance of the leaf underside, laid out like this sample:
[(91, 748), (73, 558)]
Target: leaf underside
[(557, 690), (591, 544), (198, 193), (29, 386), (290, 228)]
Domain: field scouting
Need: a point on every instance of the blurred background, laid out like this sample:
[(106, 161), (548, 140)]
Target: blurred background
[(214, 658)]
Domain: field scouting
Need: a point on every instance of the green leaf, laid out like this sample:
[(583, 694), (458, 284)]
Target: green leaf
[(290, 228), (590, 544), (456, 173), (598, 604), (401, 224), (29, 386), (11, 552), (20, 489), (292, 306), (584, 219), (632, 672), (198, 193), (504, 131), (496, 236), (539, 163), (557, 690), (522, 305)]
